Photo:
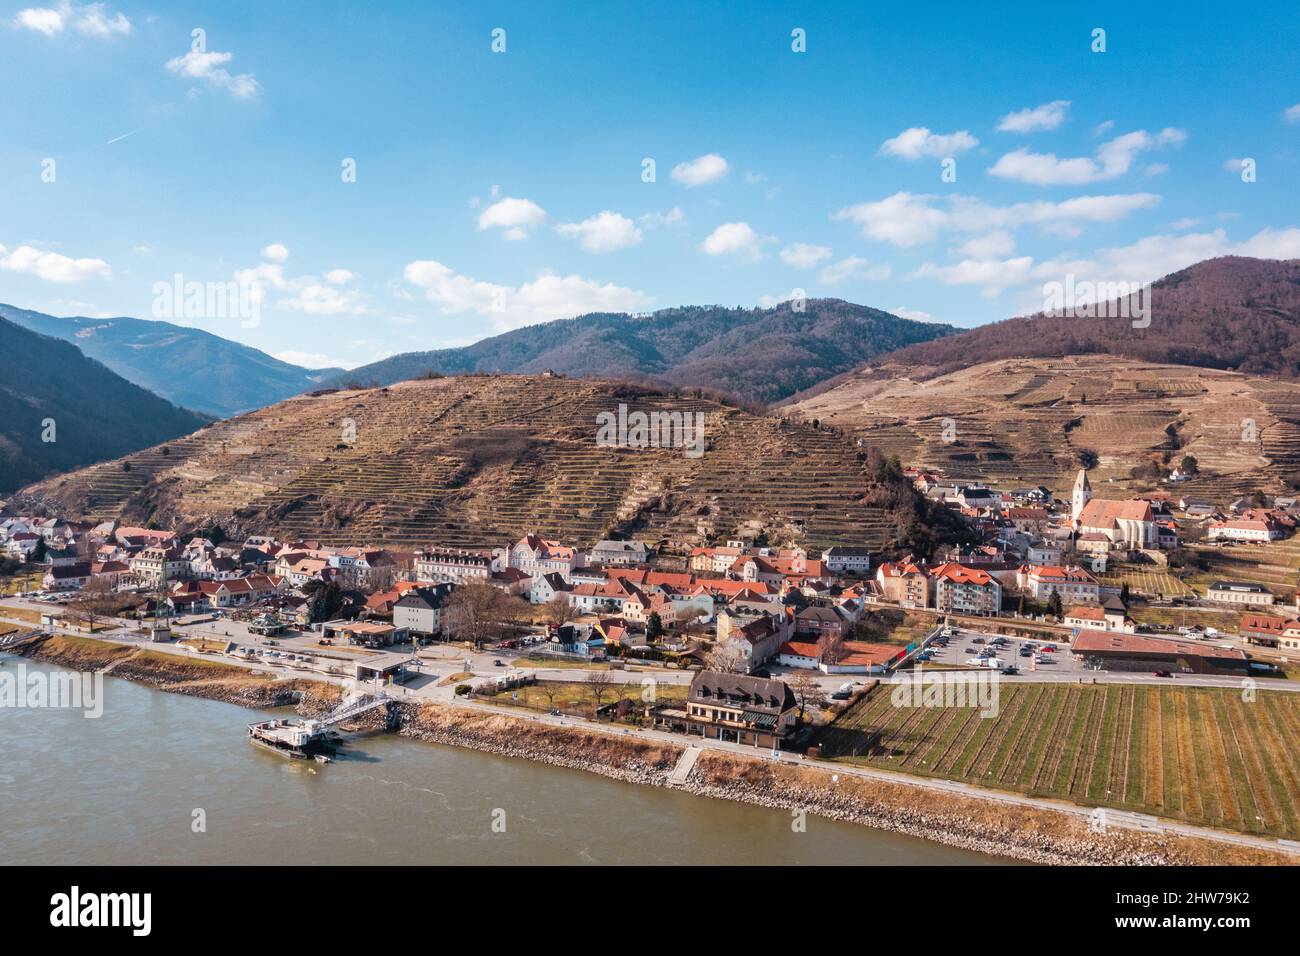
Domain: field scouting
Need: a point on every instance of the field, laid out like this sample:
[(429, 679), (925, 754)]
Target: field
[(1197, 754), (1147, 581), (1276, 565), (22, 582), (577, 697)]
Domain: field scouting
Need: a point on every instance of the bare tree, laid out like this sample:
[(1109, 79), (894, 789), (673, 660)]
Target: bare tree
[(830, 646), (807, 690), (558, 612), (475, 612), (601, 684), (728, 657), (92, 602)]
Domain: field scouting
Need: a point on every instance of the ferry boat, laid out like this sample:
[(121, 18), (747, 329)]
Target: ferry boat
[(296, 739)]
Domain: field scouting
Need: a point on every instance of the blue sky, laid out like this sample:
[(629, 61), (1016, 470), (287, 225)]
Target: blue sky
[(497, 189)]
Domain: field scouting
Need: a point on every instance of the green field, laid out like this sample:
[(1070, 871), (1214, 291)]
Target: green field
[(1198, 754)]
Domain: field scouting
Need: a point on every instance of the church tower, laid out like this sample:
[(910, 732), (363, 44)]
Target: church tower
[(1082, 495)]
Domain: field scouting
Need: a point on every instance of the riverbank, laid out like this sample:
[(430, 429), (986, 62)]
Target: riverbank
[(1034, 834), (212, 680)]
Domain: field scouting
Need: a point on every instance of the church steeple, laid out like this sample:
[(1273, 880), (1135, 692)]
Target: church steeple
[(1082, 495)]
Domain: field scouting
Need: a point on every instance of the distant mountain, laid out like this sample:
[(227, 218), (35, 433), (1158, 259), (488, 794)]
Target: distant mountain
[(50, 390), (1231, 313), (755, 354), (190, 367)]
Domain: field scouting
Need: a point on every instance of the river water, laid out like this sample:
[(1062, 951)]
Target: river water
[(132, 786)]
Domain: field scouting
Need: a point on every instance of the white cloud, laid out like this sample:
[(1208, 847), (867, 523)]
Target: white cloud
[(91, 19), (701, 171), (515, 216), (51, 266), (907, 219), (1232, 165), (916, 315), (1154, 256), (735, 238), (989, 246), (304, 293), (993, 275), (604, 232), (1036, 119), (903, 219), (1143, 261), (1104, 127), (855, 268), (276, 252), (1114, 158), (771, 301), (1292, 114), (656, 220), (547, 297), (919, 142), (209, 67), (312, 360), (801, 255)]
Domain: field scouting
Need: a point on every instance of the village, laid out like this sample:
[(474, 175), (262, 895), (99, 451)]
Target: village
[(751, 642)]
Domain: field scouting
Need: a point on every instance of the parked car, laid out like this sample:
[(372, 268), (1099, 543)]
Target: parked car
[(979, 640), (1162, 673), (1010, 669)]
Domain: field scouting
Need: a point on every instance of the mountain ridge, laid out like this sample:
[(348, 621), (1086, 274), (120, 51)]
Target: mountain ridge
[(60, 410), (188, 366), (758, 355)]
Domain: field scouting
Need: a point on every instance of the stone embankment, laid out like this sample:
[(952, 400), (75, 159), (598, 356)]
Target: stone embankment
[(212, 680)]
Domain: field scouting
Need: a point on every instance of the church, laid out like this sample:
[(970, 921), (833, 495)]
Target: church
[(1127, 524)]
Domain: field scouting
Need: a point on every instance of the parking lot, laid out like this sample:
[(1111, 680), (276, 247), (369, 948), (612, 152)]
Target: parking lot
[(1027, 656)]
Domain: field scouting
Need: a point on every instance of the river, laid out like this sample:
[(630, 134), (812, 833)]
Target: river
[(132, 786)]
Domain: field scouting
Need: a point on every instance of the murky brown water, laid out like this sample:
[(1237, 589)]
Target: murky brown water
[(125, 788)]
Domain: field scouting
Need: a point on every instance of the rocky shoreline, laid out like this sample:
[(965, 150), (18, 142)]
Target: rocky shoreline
[(1035, 835), (577, 748)]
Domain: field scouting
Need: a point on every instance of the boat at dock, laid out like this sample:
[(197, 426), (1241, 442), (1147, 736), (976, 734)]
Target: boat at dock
[(297, 739), (304, 739)]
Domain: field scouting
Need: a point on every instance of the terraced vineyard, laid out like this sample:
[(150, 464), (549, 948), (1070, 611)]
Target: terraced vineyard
[(476, 460), (1026, 421), (1198, 754)]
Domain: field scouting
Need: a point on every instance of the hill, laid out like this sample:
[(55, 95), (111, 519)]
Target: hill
[(755, 354), (481, 459), (1231, 313), (96, 414), (188, 366), (1035, 421)]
